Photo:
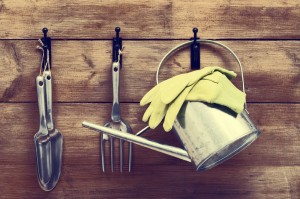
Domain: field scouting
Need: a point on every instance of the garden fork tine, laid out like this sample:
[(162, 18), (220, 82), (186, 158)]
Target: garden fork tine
[(103, 139)]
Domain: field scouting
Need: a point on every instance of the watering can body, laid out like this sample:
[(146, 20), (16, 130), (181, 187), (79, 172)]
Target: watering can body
[(212, 133)]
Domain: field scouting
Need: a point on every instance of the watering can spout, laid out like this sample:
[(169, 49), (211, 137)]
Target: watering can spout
[(166, 149)]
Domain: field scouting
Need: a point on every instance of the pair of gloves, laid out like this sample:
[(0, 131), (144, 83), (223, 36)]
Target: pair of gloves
[(210, 84)]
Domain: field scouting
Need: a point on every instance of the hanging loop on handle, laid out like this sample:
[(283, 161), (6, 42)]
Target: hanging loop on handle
[(46, 44), (202, 41)]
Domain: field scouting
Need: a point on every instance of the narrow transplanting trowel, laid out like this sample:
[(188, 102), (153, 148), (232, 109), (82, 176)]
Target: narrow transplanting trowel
[(42, 140), (48, 140), (55, 136)]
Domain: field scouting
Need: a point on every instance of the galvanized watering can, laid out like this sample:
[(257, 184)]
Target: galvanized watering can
[(210, 133)]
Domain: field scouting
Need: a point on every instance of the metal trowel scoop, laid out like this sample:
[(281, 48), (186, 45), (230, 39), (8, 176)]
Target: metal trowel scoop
[(56, 137)]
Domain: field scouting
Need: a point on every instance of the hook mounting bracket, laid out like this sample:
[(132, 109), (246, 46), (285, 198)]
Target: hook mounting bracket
[(117, 46), (195, 51), (46, 46)]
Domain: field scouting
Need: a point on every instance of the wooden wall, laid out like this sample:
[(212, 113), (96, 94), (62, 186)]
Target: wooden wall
[(264, 34)]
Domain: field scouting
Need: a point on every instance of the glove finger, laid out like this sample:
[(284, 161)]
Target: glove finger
[(230, 96), (214, 77), (229, 74), (155, 113), (174, 109), (150, 95), (173, 87), (199, 74), (195, 76), (204, 90), (157, 117), (154, 107), (147, 114)]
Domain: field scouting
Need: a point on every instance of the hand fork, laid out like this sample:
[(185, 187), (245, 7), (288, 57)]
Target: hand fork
[(115, 123)]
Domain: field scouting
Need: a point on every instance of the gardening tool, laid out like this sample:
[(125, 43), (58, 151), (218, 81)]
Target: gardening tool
[(48, 141), (116, 123), (116, 120), (56, 138), (42, 140), (210, 133)]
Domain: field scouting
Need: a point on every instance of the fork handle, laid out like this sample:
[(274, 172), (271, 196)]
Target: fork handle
[(115, 113)]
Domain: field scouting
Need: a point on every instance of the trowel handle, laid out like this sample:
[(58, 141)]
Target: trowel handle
[(48, 89), (115, 113), (40, 85)]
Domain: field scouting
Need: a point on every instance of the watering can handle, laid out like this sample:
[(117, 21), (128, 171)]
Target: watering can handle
[(204, 41)]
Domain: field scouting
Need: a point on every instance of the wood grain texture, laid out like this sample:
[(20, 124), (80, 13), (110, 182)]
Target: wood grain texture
[(82, 69), (277, 146), (270, 167), (86, 181), (150, 19), (265, 36)]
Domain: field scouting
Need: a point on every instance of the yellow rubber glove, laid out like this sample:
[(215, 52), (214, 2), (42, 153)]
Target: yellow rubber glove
[(230, 96), (171, 88), (165, 92), (174, 108), (157, 109), (214, 88)]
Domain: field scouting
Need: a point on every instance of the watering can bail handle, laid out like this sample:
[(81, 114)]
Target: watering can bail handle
[(203, 41)]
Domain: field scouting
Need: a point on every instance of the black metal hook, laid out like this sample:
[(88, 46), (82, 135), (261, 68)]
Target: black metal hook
[(117, 46), (46, 46), (195, 51)]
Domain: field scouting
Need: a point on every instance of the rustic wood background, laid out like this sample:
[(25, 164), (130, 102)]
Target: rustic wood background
[(265, 35)]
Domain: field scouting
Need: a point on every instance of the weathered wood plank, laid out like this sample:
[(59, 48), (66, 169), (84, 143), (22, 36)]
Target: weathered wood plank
[(151, 182), (277, 146), (150, 19), (267, 169), (82, 69)]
